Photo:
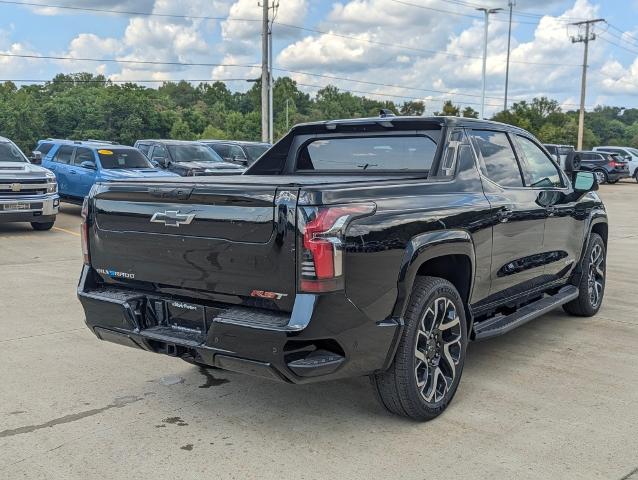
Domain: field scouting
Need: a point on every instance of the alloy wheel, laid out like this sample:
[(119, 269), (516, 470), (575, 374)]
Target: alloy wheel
[(596, 275), (437, 350), (600, 177)]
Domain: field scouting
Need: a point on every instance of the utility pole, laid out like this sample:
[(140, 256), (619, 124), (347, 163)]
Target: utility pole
[(510, 4), (487, 12), (586, 38), (265, 80), (271, 108)]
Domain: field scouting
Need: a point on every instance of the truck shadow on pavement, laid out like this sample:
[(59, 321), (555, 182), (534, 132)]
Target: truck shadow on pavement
[(501, 359)]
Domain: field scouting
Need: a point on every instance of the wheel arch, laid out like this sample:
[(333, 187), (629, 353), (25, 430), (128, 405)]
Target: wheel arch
[(447, 254), (597, 224)]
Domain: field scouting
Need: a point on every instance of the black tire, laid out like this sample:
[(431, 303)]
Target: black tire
[(601, 176), (587, 304), (439, 350), (636, 175), (40, 227)]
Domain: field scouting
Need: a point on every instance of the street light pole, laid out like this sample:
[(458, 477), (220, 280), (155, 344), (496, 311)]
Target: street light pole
[(487, 12), (511, 4)]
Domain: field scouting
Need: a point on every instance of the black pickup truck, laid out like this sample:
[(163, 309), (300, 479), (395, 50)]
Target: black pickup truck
[(375, 247)]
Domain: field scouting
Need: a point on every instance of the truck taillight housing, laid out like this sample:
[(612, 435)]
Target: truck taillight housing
[(84, 232), (322, 232)]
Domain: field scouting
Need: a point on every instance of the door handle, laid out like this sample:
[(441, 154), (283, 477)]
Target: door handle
[(504, 214), (73, 172)]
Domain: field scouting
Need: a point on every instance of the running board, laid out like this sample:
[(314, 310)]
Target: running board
[(492, 327)]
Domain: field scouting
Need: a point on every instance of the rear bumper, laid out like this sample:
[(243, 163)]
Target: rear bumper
[(614, 175), (325, 337), (41, 209)]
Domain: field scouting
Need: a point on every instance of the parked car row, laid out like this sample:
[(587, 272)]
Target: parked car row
[(31, 188), (609, 164)]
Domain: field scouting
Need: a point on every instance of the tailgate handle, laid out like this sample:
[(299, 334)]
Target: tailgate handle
[(179, 193)]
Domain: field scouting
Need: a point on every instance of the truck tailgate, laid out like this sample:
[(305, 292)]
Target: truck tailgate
[(222, 239)]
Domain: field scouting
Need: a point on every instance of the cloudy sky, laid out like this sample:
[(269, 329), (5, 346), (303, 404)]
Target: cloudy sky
[(396, 49)]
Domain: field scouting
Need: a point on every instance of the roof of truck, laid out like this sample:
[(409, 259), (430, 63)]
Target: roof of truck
[(412, 121)]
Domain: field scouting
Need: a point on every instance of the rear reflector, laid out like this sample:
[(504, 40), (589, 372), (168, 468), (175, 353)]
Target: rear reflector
[(84, 231), (322, 232)]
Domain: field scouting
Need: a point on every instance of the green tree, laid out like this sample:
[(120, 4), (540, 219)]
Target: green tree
[(413, 108), (181, 131), (449, 109)]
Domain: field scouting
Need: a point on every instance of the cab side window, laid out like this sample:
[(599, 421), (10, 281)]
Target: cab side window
[(237, 153), (83, 155), (64, 154), (497, 159), (222, 150), (540, 169), (159, 153)]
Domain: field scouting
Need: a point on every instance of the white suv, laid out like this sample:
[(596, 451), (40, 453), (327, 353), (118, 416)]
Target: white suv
[(626, 153)]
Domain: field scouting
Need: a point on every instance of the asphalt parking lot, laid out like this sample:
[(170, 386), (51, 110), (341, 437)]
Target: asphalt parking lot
[(556, 398)]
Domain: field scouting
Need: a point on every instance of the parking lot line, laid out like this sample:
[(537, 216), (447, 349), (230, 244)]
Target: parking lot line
[(66, 231)]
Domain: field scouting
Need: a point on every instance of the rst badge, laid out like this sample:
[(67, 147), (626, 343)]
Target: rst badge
[(172, 218), (268, 295)]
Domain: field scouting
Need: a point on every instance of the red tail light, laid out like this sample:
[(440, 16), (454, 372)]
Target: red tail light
[(84, 229), (615, 164), (323, 230)]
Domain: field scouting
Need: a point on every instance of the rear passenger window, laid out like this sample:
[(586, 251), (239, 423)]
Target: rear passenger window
[(64, 154), (497, 158), (541, 170), (405, 153)]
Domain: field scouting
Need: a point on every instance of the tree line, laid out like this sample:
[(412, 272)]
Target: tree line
[(84, 105)]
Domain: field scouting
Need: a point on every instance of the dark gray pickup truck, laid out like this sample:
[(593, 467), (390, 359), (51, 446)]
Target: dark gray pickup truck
[(375, 247), (28, 193)]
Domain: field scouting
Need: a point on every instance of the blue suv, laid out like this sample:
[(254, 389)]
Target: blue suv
[(78, 165)]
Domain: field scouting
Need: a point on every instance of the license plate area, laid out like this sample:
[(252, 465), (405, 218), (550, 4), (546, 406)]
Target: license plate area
[(17, 206), (186, 316)]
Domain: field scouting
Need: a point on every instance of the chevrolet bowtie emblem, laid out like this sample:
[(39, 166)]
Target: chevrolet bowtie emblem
[(172, 218), (16, 187)]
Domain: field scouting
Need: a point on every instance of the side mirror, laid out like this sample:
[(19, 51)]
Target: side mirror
[(88, 165), (36, 157), (572, 162), (628, 158), (155, 163), (160, 161), (585, 182)]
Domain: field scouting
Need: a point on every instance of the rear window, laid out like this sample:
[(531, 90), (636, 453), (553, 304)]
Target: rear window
[(114, 158), (395, 153)]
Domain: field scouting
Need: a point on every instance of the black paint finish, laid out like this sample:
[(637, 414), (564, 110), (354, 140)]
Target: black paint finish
[(501, 247)]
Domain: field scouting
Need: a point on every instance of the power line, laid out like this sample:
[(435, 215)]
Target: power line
[(296, 27), (109, 80), (115, 60), (604, 39), (124, 12)]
